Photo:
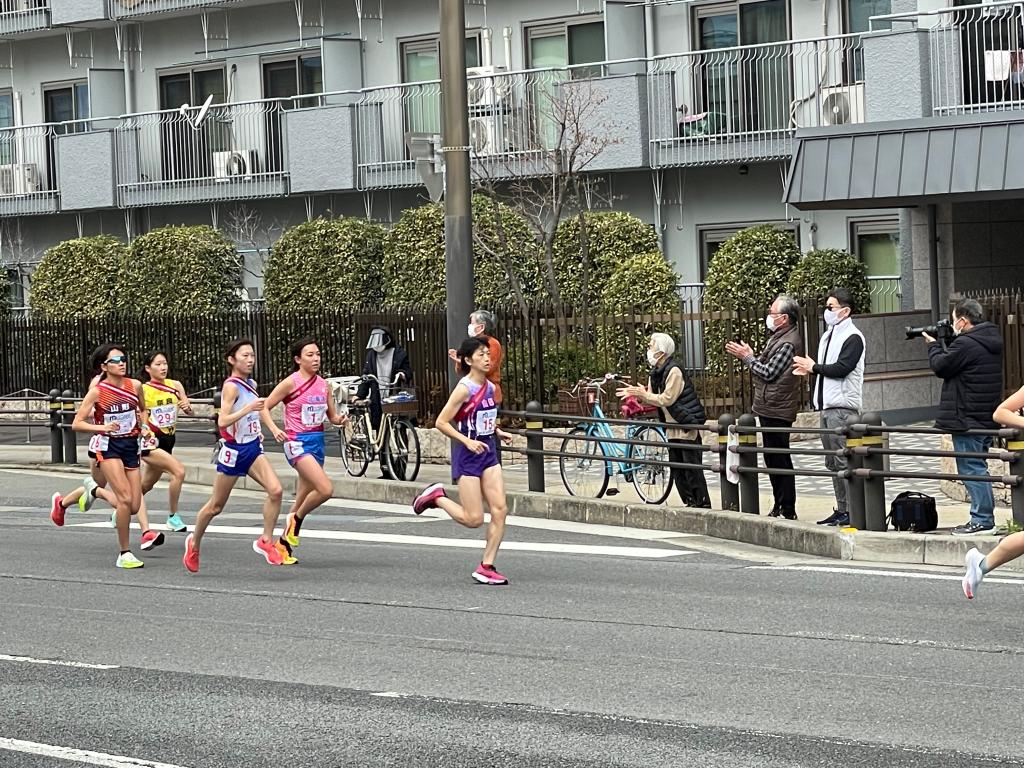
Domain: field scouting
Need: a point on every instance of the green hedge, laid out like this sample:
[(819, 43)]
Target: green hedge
[(326, 264), (820, 271), (77, 278)]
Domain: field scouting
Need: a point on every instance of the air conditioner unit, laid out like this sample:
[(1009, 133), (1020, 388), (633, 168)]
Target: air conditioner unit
[(19, 179), (489, 136), (842, 104), (487, 87), (236, 165)]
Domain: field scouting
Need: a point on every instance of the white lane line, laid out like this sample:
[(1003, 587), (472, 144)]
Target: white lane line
[(79, 755), (55, 662), (876, 572), (437, 541)]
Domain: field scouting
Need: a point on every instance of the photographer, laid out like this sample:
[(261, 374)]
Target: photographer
[(971, 369)]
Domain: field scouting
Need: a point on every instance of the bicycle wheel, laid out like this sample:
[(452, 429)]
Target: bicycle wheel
[(585, 475), (403, 450), (356, 452), (653, 483)]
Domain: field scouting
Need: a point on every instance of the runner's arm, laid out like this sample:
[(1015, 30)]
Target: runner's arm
[(444, 419), (81, 423), (228, 395), (281, 391), (183, 402), (143, 411)]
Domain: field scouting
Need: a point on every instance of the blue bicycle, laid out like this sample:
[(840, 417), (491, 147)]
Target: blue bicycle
[(591, 463)]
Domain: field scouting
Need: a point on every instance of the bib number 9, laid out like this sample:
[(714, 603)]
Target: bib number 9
[(227, 457)]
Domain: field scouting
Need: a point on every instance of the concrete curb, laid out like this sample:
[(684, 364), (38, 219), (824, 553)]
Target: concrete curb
[(785, 535)]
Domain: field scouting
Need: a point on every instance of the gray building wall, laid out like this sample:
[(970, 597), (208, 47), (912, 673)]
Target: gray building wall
[(897, 70), (85, 164)]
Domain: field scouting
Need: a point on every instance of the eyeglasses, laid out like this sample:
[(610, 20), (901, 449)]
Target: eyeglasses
[(116, 360)]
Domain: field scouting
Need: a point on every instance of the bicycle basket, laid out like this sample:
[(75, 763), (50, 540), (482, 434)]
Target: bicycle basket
[(400, 400)]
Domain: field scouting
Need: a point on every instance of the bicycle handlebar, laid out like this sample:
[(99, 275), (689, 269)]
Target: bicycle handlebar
[(371, 377), (599, 382)]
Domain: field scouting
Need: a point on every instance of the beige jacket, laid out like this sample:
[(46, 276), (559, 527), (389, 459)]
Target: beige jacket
[(673, 389)]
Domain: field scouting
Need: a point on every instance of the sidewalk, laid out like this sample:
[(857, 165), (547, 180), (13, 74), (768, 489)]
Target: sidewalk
[(623, 509)]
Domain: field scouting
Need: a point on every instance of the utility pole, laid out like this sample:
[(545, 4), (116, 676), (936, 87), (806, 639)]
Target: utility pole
[(458, 212)]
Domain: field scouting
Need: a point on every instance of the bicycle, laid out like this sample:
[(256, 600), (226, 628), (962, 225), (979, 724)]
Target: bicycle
[(588, 472), (396, 437)]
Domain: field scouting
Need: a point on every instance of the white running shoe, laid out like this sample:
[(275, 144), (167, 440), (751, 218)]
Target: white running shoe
[(86, 500), (128, 560), (973, 577)]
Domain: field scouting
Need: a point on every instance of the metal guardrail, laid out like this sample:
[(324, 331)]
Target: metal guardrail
[(886, 293), (24, 16), (127, 9)]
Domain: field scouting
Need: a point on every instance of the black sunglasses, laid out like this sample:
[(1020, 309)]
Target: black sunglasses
[(116, 360)]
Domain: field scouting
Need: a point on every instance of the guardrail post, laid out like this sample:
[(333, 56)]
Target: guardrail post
[(874, 486), (535, 442), (854, 481), (68, 416), (750, 494), (730, 493), (56, 438), (1016, 469)]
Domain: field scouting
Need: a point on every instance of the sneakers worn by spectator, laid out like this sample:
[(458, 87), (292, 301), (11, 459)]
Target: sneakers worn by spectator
[(151, 539), (973, 529), (127, 560), (87, 499), (268, 550), (488, 574), (974, 575), (428, 498), (57, 510)]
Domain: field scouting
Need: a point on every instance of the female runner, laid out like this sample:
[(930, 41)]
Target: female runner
[(240, 454), (475, 460), (307, 402), (163, 397)]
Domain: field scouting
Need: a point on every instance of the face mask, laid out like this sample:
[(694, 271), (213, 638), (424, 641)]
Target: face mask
[(471, 330), (652, 358), (378, 348), (831, 317), (957, 331), (769, 322)]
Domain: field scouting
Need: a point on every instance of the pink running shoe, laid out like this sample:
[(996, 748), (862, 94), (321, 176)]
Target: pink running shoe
[(488, 574), (428, 498), (151, 539), (191, 558), (268, 550), (57, 510)]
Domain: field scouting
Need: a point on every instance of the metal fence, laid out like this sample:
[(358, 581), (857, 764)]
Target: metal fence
[(886, 294), (126, 9), (28, 169), (745, 102), (23, 16)]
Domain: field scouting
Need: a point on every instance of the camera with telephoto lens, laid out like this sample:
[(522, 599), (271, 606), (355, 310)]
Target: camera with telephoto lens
[(941, 331)]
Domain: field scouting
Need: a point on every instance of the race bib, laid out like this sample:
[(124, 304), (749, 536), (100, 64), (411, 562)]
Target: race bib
[(164, 416), (486, 421), (148, 443), (293, 449), (99, 443), (249, 429), (313, 414), (125, 422), (227, 456)]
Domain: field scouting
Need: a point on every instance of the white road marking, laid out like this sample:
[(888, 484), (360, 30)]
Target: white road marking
[(927, 576), (79, 755), (437, 541), (55, 662)]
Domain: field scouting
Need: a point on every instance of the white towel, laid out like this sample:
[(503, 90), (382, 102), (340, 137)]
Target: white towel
[(997, 66)]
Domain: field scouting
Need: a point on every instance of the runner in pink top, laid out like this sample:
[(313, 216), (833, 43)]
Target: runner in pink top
[(307, 404)]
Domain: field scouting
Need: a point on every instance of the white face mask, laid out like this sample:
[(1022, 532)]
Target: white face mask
[(472, 330), (769, 322), (831, 317), (652, 358), (378, 348), (957, 331)]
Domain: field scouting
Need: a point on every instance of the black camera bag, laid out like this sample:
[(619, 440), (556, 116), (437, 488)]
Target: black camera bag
[(913, 511)]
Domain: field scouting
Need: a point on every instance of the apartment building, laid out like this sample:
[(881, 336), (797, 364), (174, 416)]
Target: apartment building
[(118, 116)]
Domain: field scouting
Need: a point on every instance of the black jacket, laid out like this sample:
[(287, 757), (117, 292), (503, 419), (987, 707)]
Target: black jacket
[(971, 370), (399, 364), (687, 409)]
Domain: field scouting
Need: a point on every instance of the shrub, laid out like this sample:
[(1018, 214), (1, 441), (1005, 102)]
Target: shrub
[(326, 264), (612, 238), (747, 272), (820, 271), (76, 278), (414, 255), (180, 270)]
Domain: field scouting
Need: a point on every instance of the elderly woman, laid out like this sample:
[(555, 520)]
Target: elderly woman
[(677, 403)]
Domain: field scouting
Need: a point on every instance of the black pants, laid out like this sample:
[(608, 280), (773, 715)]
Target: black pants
[(783, 486), (692, 487)]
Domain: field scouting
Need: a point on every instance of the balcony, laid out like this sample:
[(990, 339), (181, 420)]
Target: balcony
[(230, 152), (23, 16), (130, 9), (28, 170), (743, 104)]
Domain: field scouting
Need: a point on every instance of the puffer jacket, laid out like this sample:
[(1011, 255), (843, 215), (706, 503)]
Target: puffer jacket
[(971, 369)]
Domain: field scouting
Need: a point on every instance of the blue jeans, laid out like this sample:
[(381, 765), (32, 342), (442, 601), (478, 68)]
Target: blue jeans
[(982, 502)]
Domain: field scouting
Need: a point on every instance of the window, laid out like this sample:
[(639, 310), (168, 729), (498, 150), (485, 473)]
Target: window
[(421, 58), (294, 77), (8, 143), (857, 14), (570, 43), (187, 152), (65, 103), (711, 239), (876, 242), (192, 88)]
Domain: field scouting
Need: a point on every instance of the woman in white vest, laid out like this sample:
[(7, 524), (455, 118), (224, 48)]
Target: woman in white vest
[(838, 387)]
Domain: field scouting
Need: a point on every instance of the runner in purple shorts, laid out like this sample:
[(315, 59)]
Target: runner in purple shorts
[(470, 418)]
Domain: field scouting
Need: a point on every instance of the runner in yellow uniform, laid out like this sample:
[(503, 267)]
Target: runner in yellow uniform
[(163, 397)]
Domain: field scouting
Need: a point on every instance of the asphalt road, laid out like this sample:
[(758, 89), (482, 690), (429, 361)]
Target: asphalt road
[(609, 648)]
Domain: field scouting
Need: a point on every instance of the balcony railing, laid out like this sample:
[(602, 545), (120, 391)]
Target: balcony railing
[(124, 9), (886, 294), (28, 170), (233, 151), (744, 103), (23, 16)]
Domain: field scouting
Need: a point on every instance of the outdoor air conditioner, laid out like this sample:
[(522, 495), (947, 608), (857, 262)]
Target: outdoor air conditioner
[(19, 179), (842, 104), (486, 87), (488, 135), (236, 165)]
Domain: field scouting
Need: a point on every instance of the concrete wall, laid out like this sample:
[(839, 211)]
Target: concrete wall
[(897, 75), (86, 169)]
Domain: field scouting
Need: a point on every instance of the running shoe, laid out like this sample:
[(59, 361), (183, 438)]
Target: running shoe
[(286, 555), (128, 560), (973, 577), (488, 574), (113, 519), (86, 500), (57, 510), (191, 558), (268, 550), (428, 498), (151, 539), (176, 524), (291, 534)]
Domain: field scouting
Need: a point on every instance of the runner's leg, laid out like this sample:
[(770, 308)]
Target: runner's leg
[(470, 512), (314, 487), (264, 474), (117, 479), (158, 463), (222, 487), (493, 484)]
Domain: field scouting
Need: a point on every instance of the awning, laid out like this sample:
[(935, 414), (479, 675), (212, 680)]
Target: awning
[(908, 162)]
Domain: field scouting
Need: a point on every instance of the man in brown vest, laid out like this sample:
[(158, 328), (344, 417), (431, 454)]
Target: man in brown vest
[(777, 394)]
